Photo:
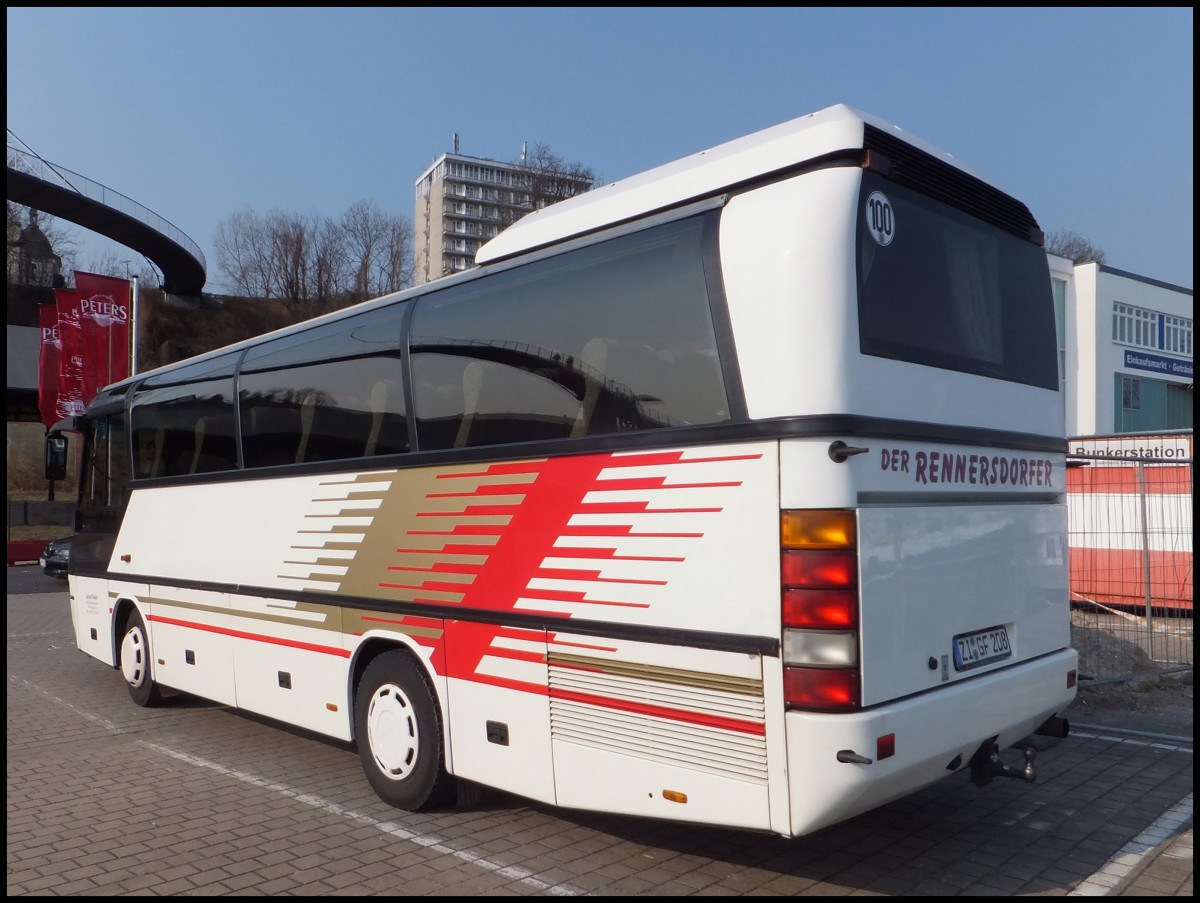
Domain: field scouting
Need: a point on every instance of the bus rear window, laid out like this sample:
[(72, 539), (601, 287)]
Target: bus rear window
[(940, 288)]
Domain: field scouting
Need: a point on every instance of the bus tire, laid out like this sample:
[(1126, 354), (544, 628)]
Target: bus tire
[(398, 728), (135, 662)]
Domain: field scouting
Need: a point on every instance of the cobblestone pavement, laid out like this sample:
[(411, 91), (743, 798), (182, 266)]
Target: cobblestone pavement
[(193, 798)]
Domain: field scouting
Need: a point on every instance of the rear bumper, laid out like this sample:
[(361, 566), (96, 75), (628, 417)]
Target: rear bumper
[(935, 735)]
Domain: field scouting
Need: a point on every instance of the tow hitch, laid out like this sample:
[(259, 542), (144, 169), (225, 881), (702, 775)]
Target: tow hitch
[(986, 764)]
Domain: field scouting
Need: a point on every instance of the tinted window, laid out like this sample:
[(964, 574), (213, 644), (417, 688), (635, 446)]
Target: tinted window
[(183, 420), (940, 288), (105, 477), (334, 391), (613, 337)]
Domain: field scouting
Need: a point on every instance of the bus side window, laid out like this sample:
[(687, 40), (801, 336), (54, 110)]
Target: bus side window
[(150, 452), (198, 444), (271, 429), (593, 365), (472, 382), (379, 409), (308, 411), (697, 389)]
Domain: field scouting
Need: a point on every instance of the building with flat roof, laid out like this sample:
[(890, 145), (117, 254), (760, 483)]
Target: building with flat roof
[(1126, 352), (462, 202)]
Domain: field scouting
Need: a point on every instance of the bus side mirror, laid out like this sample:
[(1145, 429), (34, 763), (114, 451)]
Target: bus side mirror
[(56, 456)]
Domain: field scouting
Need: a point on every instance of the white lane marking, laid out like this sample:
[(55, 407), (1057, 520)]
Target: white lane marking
[(1165, 742), (428, 841)]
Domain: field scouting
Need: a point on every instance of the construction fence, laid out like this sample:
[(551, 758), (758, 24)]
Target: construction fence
[(1130, 550)]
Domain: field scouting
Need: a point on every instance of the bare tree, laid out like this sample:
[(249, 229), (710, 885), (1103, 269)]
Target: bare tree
[(1065, 243), (379, 248), (296, 258), (291, 239), (243, 255), (364, 228), (111, 263), (329, 263), (552, 179), (545, 179), (395, 269)]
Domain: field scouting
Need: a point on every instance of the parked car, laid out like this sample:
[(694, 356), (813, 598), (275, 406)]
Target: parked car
[(55, 557)]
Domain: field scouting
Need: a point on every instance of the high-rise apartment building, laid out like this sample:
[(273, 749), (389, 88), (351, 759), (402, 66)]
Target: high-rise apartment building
[(464, 201)]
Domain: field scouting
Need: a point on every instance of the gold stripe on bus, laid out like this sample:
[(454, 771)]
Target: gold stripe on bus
[(411, 590), (335, 528), (744, 686), (320, 561), (379, 476), (422, 562), (277, 614), (438, 544), (333, 547), (333, 579)]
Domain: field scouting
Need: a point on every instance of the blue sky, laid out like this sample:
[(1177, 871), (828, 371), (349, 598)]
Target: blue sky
[(199, 113)]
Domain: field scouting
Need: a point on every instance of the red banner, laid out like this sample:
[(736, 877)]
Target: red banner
[(104, 303), (49, 358), (71, 401)]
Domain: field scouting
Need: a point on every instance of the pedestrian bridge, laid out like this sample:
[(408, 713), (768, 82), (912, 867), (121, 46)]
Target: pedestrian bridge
[(60, 192)]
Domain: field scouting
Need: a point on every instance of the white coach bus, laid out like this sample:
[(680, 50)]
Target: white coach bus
[(731, 493)]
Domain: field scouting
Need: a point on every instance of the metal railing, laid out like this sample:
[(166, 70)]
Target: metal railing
[(1131, 554), (101, 194)]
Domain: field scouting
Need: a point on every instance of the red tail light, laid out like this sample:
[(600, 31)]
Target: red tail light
[(809, 567), (821, 689), (819, 610)]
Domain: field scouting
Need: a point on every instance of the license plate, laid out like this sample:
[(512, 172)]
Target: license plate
[(981, 648), (42, 562)]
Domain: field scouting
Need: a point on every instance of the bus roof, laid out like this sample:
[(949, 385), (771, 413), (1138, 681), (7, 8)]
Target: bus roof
[(703, 174), (759, 154)]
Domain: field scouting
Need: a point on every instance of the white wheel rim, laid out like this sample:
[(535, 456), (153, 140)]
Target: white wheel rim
[(133, 657), (392, 732)]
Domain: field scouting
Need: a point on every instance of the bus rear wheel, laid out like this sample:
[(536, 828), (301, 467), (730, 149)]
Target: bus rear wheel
[(398, 728), (135, 662)]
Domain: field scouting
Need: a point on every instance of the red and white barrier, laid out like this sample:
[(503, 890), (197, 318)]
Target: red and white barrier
[(1130, 522)]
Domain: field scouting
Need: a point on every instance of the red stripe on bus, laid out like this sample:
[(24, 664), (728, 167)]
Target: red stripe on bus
[(554, 641), (441, 567), (473, 511), (429, 586), (461, 529), (621, 530), (638, 508), (496, 469), (449, 548), (576, 597), (589, 576), (626, 485), (676, 457), (484, 489), (254, 637), (608, 554)]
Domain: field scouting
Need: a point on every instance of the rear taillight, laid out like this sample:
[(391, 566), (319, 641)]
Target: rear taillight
[(819, 587)]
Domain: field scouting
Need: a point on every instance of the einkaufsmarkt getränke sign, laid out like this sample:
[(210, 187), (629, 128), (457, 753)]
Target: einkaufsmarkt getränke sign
[(1158, 363)]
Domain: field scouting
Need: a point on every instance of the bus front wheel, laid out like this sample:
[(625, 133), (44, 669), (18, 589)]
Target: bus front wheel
[(135, 662), (398, 728)]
